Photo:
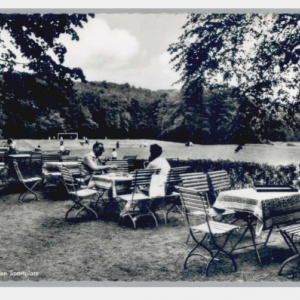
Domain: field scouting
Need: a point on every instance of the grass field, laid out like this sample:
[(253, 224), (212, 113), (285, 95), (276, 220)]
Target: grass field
[(36, 238), (277, 154)]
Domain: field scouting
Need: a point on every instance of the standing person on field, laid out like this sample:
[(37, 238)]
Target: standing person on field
[(114, 154), (61, 146)]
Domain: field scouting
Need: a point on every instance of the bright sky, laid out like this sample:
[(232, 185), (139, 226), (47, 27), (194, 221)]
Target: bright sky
[(128, 48)]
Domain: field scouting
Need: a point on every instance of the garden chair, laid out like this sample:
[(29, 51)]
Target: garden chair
[(3, 176), (205, 231), (36, 157), (3, 156), (173, 180), (199, 182), (288, 233), (138, 203), (28, 183), (131, 161), (220, 181), (122, 166), (80, 196)]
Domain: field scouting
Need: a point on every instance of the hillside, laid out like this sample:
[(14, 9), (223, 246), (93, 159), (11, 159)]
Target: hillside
[(30, 108)]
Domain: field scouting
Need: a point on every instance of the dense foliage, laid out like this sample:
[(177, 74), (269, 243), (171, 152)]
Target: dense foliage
[(245, 174), (33, 39), (257, 55), (32, 109)]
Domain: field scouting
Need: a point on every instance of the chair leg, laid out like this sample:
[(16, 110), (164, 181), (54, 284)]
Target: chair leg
[(28, 190), (220, 250)]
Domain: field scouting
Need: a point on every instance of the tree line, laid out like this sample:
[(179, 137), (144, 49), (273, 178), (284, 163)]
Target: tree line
[(30, 108)]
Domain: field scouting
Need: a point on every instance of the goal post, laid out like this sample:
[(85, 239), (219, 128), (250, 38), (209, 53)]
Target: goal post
[(68, 135)]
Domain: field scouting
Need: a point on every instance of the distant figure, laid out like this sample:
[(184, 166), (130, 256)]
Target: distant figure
[(239, 147), (54, 138), (117, 145), (49, 138), (12, 146), (114, 154), (145, 144), (62, 148), (61, 138), (87, 141), (187, 143), (38, 149), (191, 144)]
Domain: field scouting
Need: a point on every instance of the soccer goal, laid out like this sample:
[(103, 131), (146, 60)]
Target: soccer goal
[(68, 135)]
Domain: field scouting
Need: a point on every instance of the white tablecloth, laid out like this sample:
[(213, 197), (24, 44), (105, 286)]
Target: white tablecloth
[(270, 208)]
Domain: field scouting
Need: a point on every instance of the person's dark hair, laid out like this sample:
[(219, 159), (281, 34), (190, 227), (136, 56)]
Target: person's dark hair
[(155, 151), (113, 149), (98, 145), (9, 141)]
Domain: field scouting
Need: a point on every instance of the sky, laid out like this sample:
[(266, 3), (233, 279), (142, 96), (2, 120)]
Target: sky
[(127, 48)]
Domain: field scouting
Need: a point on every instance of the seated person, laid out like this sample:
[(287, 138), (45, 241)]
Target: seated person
[(158, 162), (12, 146), (38, 149), (93, 164)]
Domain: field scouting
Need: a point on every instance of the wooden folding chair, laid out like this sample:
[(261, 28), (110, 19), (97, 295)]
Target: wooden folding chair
[(288, 233), (205, 231), (173, 180), (220, 181), (138, 204), (122, 165), (33, 181), (36, 157), (80, 197), (131, 161)]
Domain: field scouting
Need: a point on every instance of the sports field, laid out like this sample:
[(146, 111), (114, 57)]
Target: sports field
[(277, 154)]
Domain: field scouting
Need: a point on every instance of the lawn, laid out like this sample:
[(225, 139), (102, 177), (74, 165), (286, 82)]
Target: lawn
[(277, 154), (36, 239)]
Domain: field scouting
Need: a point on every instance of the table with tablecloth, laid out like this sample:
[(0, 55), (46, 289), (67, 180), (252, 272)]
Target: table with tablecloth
[(270, 208), (111, 182)]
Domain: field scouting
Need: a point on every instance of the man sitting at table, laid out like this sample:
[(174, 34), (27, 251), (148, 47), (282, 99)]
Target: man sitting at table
[(93, 164)]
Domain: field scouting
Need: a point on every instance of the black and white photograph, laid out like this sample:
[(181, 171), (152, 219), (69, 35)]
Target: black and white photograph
[(150, 146)]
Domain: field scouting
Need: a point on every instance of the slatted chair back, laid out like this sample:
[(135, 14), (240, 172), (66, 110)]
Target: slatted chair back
[(197, 181), (195, 204), (18, 172), (122, 166), (142, 178), (131, 161), (174, 178), (36, 157), (3, 156), (49, 157), (219, 181), (68, 179)]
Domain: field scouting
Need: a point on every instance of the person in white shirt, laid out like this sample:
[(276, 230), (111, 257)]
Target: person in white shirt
[(158, 162), (114, 154)]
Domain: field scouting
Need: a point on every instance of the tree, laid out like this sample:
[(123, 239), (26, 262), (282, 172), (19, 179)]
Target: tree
[(45, 83), (256, 54), (36, 37)]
